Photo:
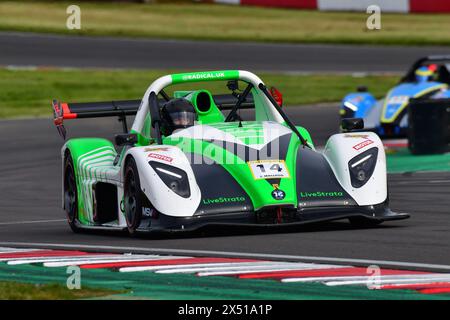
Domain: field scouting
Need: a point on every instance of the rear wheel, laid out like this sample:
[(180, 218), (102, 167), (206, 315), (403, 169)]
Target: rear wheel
[(132, 197), (70, 194), (362, 222)]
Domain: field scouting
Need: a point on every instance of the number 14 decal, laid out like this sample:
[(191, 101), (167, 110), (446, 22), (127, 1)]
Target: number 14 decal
[(274, 167), (268, 169)]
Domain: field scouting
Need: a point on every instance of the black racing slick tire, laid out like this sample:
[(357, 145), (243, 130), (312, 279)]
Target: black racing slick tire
[(132, 197), (70, 193)]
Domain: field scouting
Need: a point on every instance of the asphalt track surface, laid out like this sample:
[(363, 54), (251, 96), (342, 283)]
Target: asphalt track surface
[(25, 49), (30, 179)]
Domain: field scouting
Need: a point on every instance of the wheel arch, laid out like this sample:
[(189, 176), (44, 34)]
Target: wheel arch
[(125, 163), (77, 148)]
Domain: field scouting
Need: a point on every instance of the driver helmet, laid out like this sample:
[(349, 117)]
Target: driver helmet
[(424, 74), (177, 114)]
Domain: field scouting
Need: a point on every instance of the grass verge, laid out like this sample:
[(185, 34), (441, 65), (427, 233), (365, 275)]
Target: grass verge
[(27, 291), (402, 160), (220, 22), (28, 93)]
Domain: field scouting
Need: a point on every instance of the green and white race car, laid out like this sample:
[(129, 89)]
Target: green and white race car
[(192, 160)]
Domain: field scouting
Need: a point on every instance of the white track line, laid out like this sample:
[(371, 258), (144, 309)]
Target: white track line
[(97, 261), (41, 258), (250, 267), (229, 273), (389, 282), (15, 250), (16, 261), (180, 266), (365, 279), (325, 279), (31, 222), (233, 254), (28, 260), (235, 267), (439, 181)]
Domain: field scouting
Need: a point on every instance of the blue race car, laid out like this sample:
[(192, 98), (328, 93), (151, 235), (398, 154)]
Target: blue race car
[(428, 78)]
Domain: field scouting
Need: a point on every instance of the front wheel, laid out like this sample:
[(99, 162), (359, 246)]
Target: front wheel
[(132, 197), (70, 194)]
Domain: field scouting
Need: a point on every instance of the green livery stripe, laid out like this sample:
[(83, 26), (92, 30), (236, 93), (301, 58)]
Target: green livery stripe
[(92, 167), (205, 76), (93, 161), (289, 185), (259, 191), (305, 134), (250, 133), (93, 158)]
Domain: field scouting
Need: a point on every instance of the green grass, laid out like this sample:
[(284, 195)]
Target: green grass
[(219, 22), (402, 160), (27, 291), (28, 93)]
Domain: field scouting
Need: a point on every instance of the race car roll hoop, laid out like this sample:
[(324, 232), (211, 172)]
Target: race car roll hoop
[(123, 108)]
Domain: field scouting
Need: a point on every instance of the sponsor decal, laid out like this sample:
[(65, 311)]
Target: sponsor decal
[(156, 149), (146, 212), (398, 100), (203, 75), (278, 194), (160, 157), (354, 135), (268, 169), (363, 144), (320, 194), (223, 200)]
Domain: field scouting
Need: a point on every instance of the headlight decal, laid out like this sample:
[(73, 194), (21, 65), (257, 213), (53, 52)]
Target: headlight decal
[(351, 106), (362, 167), (174, 178)]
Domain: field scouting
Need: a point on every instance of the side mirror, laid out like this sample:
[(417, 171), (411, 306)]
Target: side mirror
[(126, 139), (350, 124), (276, 94), (233, 85)]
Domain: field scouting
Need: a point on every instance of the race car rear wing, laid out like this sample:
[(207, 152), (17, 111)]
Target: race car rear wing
[(123, 108)]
